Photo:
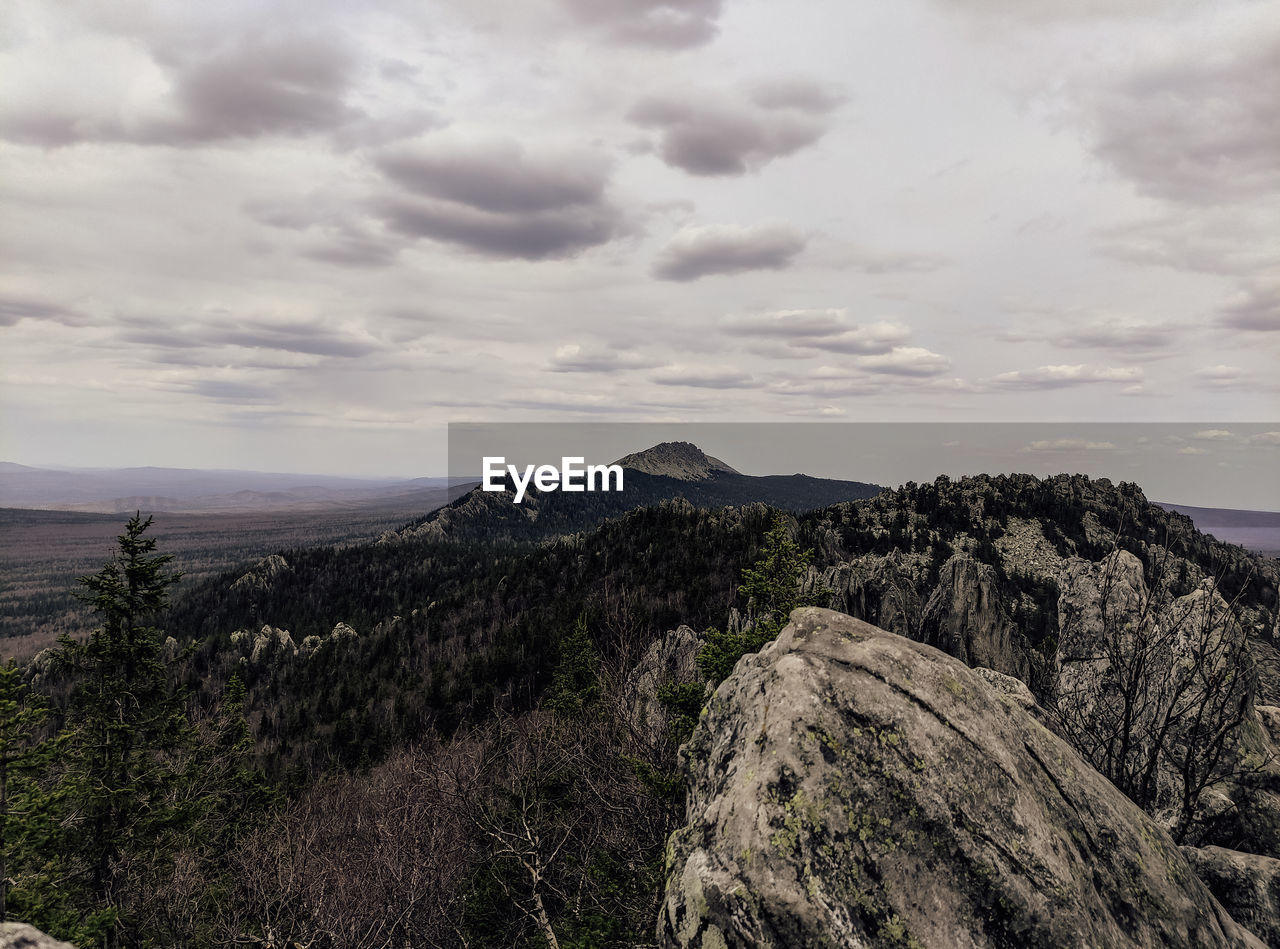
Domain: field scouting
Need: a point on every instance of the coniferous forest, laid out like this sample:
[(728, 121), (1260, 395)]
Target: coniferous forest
[(439, 739)]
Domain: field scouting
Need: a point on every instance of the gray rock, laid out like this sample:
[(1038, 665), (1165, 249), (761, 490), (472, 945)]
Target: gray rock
[(848, 787), (22, 936), (965, 618), (1247, 885), (673, 658)]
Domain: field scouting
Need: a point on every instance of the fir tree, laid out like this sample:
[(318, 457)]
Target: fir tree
[(22, 755), (126, 723)]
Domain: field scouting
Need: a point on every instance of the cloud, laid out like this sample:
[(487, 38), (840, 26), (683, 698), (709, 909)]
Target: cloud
[(712, 137), (1118, 335), (286, 85), (1192, 450), (1214, 435), (696, 252), (1256, 309), (311, 338), (575, 358), (819, 411), (1271, 439), (704, 377), (664, 24), (1059, 377), (1067, 444), (15, 309), (1202, 124), (499, 200), (906, 361), (828, 330), (1221, 376)]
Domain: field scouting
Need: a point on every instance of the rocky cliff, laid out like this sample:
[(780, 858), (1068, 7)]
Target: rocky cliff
[(849, 787)]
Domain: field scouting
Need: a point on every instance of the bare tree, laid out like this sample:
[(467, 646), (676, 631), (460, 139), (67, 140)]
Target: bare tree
[(1153, 690)]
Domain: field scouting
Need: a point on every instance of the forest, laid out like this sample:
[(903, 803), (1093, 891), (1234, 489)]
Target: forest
[(433, 740)]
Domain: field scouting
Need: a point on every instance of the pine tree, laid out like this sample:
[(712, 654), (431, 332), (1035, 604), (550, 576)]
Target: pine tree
[(126, 722), (773, 586), (22, 755)]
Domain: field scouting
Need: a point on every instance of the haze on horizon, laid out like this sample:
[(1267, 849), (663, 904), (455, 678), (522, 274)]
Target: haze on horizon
[(269, 236)]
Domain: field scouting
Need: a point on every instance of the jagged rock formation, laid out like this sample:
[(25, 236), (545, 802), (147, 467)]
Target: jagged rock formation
[(1247, 885), (22, 936), (848, 787), (262, 575), (683, 461), (670, 660), (966, 619)]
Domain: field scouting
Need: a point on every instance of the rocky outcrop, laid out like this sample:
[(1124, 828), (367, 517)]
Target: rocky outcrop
[(670, 660), (1247, 885), (848, 787), (262, 575), (883, 590), (22, 936), (965, 618)]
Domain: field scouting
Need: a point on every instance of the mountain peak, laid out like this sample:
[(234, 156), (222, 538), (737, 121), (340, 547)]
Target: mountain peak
[(683, 461)]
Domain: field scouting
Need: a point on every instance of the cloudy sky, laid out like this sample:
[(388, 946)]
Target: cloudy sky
[(307, 235)]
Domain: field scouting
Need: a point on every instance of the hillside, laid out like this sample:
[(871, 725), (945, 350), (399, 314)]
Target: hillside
[(445, 714), (444, 629), (664, 472)]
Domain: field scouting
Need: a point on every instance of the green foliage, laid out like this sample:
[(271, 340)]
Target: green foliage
[(23, 804), (575, 683), (683, 703), (126, 724), (773, 586)]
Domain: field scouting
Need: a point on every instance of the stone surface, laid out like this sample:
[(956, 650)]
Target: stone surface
[(848, 787), (22, 936), (670, 660), (1247, 885), (965, 618)]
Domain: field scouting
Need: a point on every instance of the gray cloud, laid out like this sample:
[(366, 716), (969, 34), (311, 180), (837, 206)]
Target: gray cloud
[(669, 24), (498, 176), (15, 309), (293, 85), (819, 330), (705, 377), (1198, 128), (496, 199), (696, 252), (575, 358), (1060, 377), (311, 338), (1067, 444), (906, 361), (354, 250), (1257, 308), (241, 393), (1136, 338), (713, 137)]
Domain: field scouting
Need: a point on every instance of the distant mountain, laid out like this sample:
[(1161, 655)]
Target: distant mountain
[(682, 461), (1258, 531), (664, 472), (198, 491)]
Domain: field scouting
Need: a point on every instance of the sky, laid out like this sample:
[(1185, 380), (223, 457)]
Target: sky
[(306, 236)]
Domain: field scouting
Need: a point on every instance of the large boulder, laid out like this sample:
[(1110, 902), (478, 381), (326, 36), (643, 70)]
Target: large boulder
[(1247, 885), (848, 787), (22, 936), (966, 618)]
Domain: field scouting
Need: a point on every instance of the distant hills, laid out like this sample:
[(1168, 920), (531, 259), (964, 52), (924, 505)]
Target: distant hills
[(1258, 531), (197, 491), (665, 472)]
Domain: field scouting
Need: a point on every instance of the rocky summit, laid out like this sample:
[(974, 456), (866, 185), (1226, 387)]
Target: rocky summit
[(849, 787), (683, 461)]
